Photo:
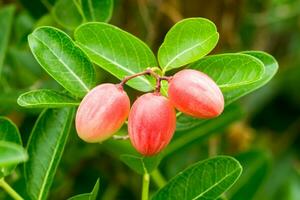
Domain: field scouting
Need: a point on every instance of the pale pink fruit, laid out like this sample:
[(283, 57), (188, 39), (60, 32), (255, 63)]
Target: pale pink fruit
[(196, 94), (102, 112), (151, 123)]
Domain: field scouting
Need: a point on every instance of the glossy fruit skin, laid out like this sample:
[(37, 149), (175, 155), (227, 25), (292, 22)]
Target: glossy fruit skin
[(196, 94), (102, 112), (151, 123)]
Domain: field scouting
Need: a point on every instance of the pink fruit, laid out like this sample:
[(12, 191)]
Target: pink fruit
[(194, 93), (151, 123), (102, 112)]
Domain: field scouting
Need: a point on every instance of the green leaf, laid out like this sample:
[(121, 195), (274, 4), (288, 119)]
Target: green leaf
[(11, 155), (141, 164), (117, 52), (46, 98), (88, 196), (256, 165), (10, 133), (65, 62), (189, 133), (65, 13), (271, 67), (45, 148), (6, 19), (187, 41), (230, 70), (97, 10), (206, 179)]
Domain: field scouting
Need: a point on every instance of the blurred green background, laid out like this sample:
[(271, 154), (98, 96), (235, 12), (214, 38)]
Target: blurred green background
[(265, 138)]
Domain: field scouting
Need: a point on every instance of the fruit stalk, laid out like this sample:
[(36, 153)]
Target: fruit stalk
[(147, 72)]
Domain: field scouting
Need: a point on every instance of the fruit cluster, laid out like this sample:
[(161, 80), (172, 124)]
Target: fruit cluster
[(152, 117)]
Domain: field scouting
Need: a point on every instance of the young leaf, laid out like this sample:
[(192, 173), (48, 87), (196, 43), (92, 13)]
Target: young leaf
[(97, 10), (271, 67), (230, 70), (187, 41), (6, 18), (256, 166), (117, 51), (141, 164), (206, 179), (65, 62), (11, 155), (10, 133), (46, 98), (88, 196), (65, 13), (45, 148)]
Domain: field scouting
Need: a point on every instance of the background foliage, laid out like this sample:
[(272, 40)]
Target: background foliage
[(261, 130)]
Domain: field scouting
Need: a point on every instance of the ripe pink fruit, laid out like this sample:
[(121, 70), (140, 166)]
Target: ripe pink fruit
[(151, 123), (194, 93), (102, 112)]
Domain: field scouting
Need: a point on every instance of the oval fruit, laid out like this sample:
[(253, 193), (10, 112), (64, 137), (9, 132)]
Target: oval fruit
[(151, 123), (102, 112), (196, 94)]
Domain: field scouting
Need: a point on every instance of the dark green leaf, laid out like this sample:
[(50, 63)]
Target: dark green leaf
[(65, 62), (25, 70), (72, 13), (97, 10), (46, 98), (45, 148), (88, 196), (206, 179), (117, 51), (187, 41), (231, 70), (141, 164), (189, 133), (65, 13), (256, 165), (6, 18)]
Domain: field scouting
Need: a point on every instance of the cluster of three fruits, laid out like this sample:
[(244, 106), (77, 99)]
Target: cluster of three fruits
[(152, 118)]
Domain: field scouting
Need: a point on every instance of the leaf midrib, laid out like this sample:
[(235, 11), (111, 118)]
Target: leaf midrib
[(64, 64), (214, 185)]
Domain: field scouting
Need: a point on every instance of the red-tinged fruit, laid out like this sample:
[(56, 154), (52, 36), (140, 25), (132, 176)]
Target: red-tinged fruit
[(102, 112), (195, 94), (151, 123)]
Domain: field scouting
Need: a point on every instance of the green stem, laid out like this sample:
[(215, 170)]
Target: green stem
[(146, 183), (158, 178), (10, 190)]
